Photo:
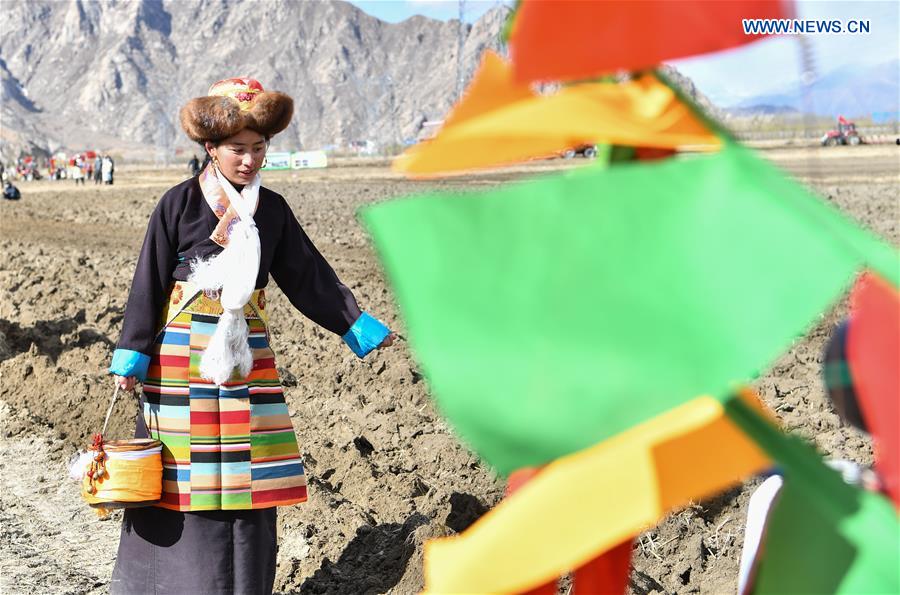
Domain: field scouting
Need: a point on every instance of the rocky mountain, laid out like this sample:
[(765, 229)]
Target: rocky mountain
[(688, 87), (82, 73)]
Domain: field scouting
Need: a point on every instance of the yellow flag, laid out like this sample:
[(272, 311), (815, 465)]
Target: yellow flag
[(500, 122), (583, 504)]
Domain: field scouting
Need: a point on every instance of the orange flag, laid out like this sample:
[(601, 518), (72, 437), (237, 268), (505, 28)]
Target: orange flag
[(579, 39), (500, 122), (873, 354)]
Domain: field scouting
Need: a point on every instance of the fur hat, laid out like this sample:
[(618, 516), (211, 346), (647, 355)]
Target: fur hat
[(232, 105)]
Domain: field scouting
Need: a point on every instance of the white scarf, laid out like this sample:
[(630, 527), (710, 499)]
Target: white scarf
[(234, 272)]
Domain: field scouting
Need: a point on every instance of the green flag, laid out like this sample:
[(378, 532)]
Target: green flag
[(552, 314), (823, 536)]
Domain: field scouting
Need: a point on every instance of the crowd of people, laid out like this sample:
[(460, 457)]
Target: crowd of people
[(24, 168), (81, 168)]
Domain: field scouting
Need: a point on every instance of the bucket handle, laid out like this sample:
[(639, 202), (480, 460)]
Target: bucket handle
[(112, 404)]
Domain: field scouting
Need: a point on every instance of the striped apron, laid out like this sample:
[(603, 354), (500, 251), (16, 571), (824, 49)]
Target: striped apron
[(228, 447)]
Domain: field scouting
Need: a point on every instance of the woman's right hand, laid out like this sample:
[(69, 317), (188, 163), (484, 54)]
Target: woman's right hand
[(125, 382)]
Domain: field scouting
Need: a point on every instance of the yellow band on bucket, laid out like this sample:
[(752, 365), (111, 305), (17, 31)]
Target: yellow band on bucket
[(137, 480)]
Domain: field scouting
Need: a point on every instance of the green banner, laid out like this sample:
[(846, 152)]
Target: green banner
[(553, 314)]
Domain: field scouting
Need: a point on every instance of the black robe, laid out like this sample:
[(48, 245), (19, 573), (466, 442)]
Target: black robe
[(179, 231)]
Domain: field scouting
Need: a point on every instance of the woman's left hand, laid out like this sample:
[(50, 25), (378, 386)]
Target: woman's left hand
[(388, 341)]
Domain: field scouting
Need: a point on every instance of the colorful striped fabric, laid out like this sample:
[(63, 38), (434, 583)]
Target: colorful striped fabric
[(228, 447)]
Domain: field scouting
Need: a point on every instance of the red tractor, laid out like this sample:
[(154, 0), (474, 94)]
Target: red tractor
[(845, 134)]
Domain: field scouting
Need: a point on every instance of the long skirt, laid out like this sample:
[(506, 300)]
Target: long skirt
[(196, 553), (228, 447)]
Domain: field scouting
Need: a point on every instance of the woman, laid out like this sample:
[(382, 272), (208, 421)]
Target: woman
[(196, 334)]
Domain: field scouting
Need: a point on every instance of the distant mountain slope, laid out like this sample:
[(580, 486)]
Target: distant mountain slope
[(848, 91), (763, 110)]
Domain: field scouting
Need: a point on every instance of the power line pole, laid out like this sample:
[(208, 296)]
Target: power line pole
[(460, 42)]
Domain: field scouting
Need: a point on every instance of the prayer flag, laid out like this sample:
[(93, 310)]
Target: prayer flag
[(553, 314), (577, 39)]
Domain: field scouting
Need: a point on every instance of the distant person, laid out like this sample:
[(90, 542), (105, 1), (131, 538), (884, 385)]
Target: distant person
[(78, 172), (107, 168), (10, 192), (206, 160), (98, 169), (194, 165)]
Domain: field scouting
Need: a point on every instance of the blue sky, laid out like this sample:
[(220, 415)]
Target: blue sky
[(394, 11), (773, 64), (728, 77)]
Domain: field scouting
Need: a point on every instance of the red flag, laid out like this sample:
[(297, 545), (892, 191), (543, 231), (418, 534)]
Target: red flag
[(873, 354), (580, 39), (606, 574)]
